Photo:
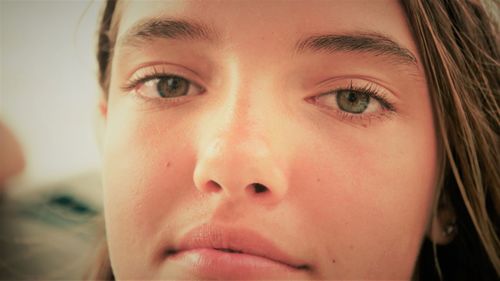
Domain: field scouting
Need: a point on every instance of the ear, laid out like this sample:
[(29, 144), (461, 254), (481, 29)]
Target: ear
[(443, 227), (101, 119), (103, 107)]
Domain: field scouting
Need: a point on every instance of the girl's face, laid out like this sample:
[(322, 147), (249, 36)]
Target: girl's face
[(266, 140)]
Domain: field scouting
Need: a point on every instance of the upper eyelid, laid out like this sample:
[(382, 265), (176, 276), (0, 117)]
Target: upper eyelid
[(359, 82), (165, 69), (147, 78), (347, 84)]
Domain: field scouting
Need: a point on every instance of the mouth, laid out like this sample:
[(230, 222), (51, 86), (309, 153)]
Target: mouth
[(173, 254), (229, 250), (216, 252)]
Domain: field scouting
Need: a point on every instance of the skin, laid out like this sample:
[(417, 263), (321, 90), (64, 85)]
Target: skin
[(349, 195), (12, 160)]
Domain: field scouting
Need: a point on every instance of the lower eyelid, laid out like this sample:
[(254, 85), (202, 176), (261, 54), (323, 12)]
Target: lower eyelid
[(364, 119)]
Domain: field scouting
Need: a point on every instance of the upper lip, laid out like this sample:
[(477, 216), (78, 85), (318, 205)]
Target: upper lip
[(238, 240)]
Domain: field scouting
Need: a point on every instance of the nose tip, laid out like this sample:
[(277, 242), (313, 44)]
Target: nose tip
[(245, 169)]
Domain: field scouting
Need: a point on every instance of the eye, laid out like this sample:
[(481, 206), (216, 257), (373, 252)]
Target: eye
[(357, 104), (167, 86), (350, 101)]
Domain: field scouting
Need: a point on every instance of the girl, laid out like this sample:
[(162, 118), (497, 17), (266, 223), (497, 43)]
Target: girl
[(300, 140)]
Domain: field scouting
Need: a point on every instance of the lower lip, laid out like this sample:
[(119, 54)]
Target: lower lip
[(208, 263)]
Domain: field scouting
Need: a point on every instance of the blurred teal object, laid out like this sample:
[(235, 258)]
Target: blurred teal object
[(51, 232)]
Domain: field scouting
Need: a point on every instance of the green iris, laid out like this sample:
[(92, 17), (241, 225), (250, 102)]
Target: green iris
[(352, 101), (172, 86)]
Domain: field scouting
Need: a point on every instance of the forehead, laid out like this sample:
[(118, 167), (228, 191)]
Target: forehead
[(276, 22)]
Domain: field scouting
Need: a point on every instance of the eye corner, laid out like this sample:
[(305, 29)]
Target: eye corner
[(311, 99)]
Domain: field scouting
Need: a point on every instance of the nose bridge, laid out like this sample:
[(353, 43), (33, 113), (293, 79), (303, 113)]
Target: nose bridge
[(237, 155)]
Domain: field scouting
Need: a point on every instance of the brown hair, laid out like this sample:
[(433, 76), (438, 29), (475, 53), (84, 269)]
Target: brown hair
[(458, 43)]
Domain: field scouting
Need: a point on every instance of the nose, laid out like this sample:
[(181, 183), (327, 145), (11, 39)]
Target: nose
[(240, 165)]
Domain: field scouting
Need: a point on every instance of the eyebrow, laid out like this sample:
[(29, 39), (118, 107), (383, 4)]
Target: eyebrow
[(370, 42), (374, 43), (166, 28)]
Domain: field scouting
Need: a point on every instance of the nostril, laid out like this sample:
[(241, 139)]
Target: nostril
[(259, 188), (213, 186)]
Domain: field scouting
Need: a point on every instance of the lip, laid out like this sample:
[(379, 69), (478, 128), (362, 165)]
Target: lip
[(211, 251)]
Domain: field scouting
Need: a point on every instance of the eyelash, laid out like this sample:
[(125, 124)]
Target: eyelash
[(152, 74), (156, 72), (369, 89)]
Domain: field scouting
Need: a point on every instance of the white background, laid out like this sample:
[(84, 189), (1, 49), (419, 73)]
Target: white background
[(48, 85)]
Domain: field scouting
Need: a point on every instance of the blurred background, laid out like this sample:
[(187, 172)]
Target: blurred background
[(48, 85), (50, 211)]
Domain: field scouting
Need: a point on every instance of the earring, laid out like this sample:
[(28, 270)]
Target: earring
[(450, 229)]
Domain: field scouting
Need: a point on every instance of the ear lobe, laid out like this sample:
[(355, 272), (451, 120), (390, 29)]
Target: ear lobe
[(443, 228), (103, 108), (101, 119)]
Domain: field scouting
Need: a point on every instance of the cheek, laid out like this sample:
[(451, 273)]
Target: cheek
[(368, 198), (361, 196), (142, 175)]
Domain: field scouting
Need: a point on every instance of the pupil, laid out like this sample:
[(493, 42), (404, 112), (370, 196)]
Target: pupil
[(352, 101), (173, 83), (352, 97)]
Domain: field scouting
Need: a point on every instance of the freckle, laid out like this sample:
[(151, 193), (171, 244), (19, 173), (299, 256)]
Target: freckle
[(318, 180), (333, 260), (168, 164)]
